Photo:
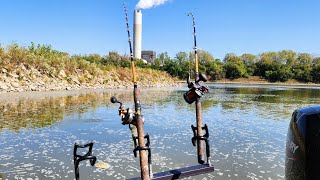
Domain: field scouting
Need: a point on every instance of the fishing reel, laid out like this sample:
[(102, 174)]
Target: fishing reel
[(128, 116), (196, 90)]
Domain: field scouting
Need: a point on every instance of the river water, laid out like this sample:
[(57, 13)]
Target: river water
[(247, 125)]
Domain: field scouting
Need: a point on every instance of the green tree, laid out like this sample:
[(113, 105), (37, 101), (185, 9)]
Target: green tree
[(316, 61), (214, 70), (182, 56), (249, 60), (305, 58), (157, 63), (278, 72), (302, 68), (164, 56), (234, 66), (113, 58), (93, 58), (315, 74), (204, 57), (288, 57), (302, 73), (268, 57)]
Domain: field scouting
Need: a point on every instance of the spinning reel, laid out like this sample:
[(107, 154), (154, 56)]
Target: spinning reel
[(128, 116), (196, 90)]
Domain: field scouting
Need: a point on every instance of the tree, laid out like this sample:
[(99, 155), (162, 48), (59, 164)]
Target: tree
[(228, 57), (302, 68), (302, 73), (157, 63), (268, 57), (233, 71), (182, 56), (234, 67), (114, 58), (278, 72), (316, 61), (288, 57), (164, 56), (93, 58), (249, 60), (315, 74), (305, 58), (204, 57)]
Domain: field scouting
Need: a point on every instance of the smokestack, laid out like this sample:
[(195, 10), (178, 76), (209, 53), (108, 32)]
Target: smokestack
[(137, 34)]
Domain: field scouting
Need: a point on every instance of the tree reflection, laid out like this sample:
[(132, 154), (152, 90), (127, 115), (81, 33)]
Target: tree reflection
[(45, 111)]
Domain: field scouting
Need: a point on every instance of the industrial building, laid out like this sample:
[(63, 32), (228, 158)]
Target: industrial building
[(149, 56)]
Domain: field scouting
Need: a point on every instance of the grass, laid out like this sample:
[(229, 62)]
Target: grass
[(29, 63)]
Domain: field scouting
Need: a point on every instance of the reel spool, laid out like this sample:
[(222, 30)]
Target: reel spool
[(196, 90), (192, 95)]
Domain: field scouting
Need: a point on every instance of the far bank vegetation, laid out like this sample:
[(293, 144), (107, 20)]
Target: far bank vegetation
[(39, 67), (36, 66)]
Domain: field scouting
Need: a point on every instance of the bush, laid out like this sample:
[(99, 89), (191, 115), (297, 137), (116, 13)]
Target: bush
[(315, 74), (302, 73), (234, 71), (279, 73)]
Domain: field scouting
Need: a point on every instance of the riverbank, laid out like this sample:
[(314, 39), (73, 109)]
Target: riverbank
[(41, 68), (257, 80), (22, 79)]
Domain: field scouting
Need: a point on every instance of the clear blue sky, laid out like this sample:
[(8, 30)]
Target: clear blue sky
[(224, 26)]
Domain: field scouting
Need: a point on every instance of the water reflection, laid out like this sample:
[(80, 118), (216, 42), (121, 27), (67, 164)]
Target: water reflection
[(247, 126), (46, 111)]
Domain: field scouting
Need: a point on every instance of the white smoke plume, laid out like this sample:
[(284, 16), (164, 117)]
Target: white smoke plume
[(146, 4)]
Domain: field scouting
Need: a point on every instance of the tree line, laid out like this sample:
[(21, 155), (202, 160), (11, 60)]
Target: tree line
[(273, 66)]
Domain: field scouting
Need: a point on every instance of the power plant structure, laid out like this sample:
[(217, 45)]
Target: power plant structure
[(137, 34), (149, 56)]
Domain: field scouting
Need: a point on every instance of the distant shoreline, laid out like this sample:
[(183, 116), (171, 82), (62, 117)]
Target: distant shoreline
[(127, 85), (260, 81), (256, 81)]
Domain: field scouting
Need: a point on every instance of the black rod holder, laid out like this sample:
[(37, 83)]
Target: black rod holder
[(205, 138), (78, 158)]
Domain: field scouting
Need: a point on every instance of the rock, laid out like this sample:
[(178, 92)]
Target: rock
[(22, 67), (15, 84), (13, 75), (33, 88), (3, 86), (4, 70), (76, 81), (62, 74)]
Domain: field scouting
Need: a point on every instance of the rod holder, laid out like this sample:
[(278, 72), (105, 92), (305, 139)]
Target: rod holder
[(205, 138), (145, 148), (78, 158)]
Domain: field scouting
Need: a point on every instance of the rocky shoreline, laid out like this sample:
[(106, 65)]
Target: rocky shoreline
[(30, 79)]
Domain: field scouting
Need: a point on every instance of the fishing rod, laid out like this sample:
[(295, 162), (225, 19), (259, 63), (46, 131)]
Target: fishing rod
[(135, 121), (134, 118), (196, 91)]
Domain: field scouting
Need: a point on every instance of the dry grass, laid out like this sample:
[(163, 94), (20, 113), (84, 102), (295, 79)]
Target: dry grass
[(31, 63)]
